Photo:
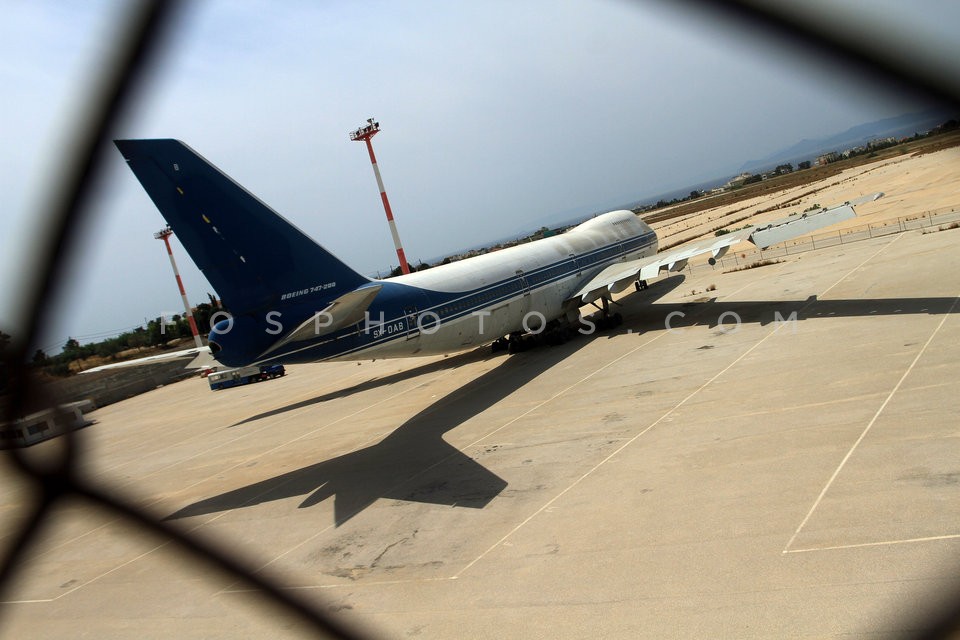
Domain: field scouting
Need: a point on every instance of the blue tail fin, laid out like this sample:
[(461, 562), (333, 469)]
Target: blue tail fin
[(251, 255)]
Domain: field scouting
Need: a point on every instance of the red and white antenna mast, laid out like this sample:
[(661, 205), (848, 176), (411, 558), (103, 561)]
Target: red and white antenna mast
[(364, 133), (164, 234)]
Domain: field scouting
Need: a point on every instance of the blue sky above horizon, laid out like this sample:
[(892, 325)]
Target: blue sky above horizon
[(496, 117)]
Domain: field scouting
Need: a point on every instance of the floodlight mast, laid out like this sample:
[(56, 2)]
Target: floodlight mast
[(164, 234), (365, 133)]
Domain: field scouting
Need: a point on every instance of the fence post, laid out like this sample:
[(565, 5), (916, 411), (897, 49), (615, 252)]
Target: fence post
[(870, 230), (840, 235)]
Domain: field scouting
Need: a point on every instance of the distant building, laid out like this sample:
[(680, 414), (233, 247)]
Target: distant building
[(828, 157), (738, 181)]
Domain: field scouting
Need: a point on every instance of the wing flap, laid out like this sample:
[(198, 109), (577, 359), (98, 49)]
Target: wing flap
[(613, 279)]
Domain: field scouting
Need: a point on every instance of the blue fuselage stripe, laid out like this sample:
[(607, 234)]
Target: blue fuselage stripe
[(565, 268)]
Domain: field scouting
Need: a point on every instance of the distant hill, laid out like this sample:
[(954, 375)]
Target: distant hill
[(899, 126)]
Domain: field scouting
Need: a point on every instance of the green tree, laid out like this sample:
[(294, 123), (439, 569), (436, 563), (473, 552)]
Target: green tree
[(155, 336), (783, 168), (71, 349), (396, 271), (139, 338), (183, 328), (107, 348), (59, 369), (201, 314)]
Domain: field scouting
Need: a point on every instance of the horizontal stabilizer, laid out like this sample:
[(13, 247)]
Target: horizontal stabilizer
[(200, 354), (204, 360), (346, 310)]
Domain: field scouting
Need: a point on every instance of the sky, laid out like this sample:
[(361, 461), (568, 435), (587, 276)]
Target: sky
[(497, 118)]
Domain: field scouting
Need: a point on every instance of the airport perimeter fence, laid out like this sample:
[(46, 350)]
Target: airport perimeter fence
[(936, 218)]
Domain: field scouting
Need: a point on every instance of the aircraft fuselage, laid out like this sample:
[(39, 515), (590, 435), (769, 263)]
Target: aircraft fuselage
[(450, 307)]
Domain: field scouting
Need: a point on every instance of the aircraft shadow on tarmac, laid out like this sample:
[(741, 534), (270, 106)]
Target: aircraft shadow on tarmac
[(413, 463), (461, 359), (643, 312), (712, 313)]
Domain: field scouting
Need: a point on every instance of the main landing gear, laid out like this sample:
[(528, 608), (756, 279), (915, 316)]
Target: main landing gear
[(553, 335), (607, 320), (559, 331), (515, 342), (500, 344), (641, 285)]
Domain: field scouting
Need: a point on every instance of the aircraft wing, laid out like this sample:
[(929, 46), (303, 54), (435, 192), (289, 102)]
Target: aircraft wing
[(618, 277)]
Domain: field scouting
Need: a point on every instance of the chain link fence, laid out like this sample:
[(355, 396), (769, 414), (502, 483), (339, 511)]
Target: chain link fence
[(60, 478)]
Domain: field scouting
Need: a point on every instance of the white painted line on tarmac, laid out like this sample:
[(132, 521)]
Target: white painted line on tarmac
[(336, 585), (858, 267), (952, 536), (866, 430), (195, 434), (91, 580)]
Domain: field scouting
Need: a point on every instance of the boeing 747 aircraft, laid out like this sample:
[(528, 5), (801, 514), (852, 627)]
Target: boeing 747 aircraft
[(290, 300)]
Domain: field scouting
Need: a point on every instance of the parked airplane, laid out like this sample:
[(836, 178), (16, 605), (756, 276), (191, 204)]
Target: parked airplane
[(290, 300)]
